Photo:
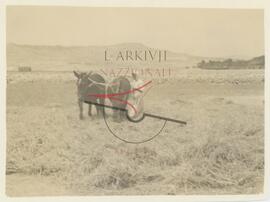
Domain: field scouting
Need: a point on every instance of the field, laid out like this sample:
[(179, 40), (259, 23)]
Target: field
[(220, 151)]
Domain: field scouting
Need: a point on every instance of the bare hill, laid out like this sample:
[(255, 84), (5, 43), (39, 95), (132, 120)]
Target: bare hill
[(61, 58)]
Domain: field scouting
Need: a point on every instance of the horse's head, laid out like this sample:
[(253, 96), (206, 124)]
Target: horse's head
[(83, 81), (82, 78)]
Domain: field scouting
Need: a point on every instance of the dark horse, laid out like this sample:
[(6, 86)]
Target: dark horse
[(87, 84), (92, 84), (119, 85)]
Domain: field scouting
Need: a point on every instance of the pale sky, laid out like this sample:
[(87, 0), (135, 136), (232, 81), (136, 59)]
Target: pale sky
[(202, 32)]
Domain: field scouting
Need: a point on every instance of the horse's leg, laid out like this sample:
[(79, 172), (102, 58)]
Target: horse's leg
[(115, 111), (123, 113), (102, 108), (97, 107), (80, 103), (117, 117), (90, 110), (124, 106)]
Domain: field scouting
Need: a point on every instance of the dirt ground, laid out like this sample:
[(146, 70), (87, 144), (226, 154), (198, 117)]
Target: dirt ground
[(220, 150)]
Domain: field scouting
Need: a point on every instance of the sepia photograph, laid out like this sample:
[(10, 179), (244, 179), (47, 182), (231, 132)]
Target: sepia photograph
[(134, 101)]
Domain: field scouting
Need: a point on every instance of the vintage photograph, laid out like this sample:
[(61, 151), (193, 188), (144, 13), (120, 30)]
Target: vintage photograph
[(134, 101)]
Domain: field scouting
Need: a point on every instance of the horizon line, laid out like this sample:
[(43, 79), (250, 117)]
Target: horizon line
[(245, 57)]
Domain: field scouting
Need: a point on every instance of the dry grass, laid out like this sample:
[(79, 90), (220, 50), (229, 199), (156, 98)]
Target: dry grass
[(220, 151)]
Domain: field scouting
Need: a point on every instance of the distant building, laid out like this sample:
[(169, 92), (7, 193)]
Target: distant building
[(254, 63), (24, 69)]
